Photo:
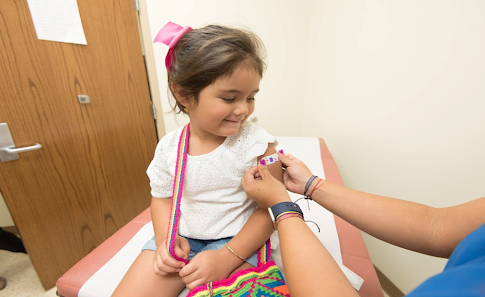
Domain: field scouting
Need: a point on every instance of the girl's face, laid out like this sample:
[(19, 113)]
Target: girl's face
[(225, 104)]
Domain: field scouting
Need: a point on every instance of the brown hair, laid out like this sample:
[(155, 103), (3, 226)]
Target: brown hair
[(203, 55)]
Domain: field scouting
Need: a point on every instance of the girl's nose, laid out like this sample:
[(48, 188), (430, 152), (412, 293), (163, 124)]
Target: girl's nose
[(241, 109)]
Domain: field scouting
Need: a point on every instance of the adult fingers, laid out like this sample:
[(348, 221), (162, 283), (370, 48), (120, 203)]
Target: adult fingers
[(252, 172), (249, 176), (287, 159), (264, 171), (295, 165)]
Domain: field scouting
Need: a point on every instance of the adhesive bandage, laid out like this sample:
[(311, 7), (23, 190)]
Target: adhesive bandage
[(271, 159)]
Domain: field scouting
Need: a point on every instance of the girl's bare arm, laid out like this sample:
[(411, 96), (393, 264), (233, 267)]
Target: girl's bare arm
[(259, 227)]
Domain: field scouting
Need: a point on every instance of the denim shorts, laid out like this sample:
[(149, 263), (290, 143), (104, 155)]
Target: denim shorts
[(199, 245)]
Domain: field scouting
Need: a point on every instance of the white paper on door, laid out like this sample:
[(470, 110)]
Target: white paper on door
[(57, 20)]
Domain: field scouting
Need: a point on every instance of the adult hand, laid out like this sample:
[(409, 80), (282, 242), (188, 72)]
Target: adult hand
[(206, 266), (263, 188), (164, 263), (296, 174)]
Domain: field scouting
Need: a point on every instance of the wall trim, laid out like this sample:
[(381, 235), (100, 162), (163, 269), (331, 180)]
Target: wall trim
[(387, 285)]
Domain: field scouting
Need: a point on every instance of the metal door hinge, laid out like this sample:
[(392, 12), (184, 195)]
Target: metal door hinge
[(154, 112), (137, 6)]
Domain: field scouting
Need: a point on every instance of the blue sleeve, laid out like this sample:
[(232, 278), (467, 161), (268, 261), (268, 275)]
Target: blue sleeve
[(464, 274), (464, 280)]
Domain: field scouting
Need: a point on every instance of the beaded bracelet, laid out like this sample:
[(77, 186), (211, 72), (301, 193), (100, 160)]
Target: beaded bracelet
[(286, 216), (232, 251)]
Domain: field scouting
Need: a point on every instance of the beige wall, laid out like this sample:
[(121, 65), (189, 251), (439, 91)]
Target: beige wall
[(5, 218), (279, 97), (395, 88)]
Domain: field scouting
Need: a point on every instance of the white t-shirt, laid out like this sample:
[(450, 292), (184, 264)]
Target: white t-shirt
[(214, 204)]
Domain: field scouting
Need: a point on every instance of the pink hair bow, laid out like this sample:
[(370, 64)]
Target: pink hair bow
[(170, 35)]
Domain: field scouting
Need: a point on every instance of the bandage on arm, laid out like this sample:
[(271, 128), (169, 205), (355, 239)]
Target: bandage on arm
[(271, 159)]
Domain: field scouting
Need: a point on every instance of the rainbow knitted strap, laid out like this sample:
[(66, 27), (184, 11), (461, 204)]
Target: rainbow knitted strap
[(177, 191), (264, 252)]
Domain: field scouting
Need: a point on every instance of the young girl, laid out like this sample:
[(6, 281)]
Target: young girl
[(214, 74)]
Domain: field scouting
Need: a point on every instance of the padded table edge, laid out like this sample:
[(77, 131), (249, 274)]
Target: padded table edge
[(354, 251), (71, 282)]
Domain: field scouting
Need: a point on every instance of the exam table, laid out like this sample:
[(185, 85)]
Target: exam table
[(98, 274)]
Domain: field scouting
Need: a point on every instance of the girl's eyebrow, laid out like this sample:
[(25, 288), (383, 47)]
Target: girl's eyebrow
[(237, 91)]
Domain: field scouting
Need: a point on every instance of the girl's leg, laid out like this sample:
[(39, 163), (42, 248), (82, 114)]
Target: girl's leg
[(140, 280)]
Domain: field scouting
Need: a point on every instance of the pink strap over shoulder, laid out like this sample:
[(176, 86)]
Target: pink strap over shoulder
[(170, 35), (264, 252)]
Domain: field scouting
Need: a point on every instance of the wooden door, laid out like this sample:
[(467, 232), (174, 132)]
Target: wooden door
[(89, 178)]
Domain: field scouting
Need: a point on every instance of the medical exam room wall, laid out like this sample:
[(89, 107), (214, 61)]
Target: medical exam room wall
[(280, 100), (395, 88), (5, 217)]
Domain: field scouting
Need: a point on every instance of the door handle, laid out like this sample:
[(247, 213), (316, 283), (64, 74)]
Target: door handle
[(8, 151), (34, 147)]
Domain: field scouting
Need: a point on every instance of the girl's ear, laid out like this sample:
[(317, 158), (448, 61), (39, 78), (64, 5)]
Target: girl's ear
[(180, 94)]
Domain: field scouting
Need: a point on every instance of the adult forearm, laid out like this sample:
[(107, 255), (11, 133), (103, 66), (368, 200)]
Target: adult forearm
[(310, 270), (403, 223)]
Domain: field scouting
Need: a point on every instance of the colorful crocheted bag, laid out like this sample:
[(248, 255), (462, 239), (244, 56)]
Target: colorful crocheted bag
[(264, 280)]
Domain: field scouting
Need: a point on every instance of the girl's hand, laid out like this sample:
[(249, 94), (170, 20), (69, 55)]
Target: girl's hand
[(296, 174), (164, 263), (263, 188), (206, 266)]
